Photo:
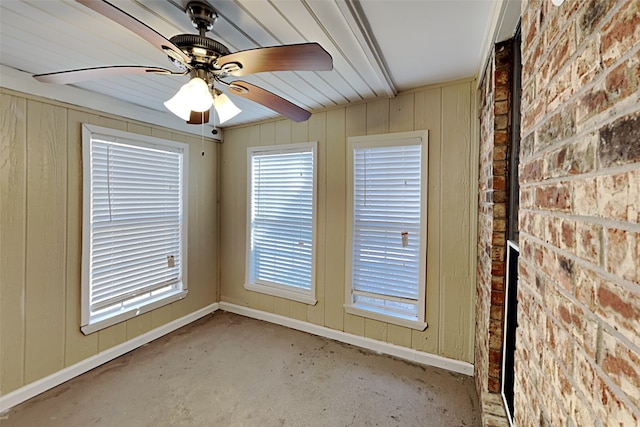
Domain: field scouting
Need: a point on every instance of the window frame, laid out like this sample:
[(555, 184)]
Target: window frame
[(277, 289), (386, 140), (92, 323)]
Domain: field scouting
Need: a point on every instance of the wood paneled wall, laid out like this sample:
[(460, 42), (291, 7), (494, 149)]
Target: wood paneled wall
[(40, 237), (448, 112)]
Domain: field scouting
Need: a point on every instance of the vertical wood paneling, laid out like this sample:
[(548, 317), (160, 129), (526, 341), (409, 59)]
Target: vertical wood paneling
[(202, 279), (138, 325), (446, 113), (46, 239), (356, 120), (378, 116), (162, 315), (375, 329), (77, 345), (401, 113), (13, 130), (317, 129), (40, 220), (108, 122), (139, 128), (300, 132), (335, 218), (428, 115), (233, 211), (399, 335), (112, 336), (283, 131), (456, 135)]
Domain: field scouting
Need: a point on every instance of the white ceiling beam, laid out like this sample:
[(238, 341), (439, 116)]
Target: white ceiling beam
[(357, 21)]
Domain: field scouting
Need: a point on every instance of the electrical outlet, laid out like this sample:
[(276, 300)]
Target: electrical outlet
[(171, 261)]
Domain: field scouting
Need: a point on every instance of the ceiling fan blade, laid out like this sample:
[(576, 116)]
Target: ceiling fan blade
[(269, 100), (293, 57), (82, 74), (143, 30)]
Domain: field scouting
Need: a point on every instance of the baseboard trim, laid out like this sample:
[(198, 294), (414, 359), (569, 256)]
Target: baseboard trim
[(35, 388), (363, 342)]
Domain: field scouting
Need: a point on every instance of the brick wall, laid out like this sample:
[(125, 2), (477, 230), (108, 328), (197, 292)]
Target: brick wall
[(495, 134), (578, 340)]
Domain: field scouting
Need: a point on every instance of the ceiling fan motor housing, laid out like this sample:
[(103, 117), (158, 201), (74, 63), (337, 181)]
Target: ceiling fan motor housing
[(201, 49)]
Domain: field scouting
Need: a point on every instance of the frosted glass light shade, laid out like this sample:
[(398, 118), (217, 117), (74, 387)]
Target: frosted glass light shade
[(225, 108), (193, 96)]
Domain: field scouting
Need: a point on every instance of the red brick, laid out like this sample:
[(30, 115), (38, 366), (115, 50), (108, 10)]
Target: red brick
[(621, 249), (622, 81), (620, 141), (585, 197), (499, 183), (613, 192), (586, 283), (553, 197), (621, 365), (560, 126), (590, 16), (610, 298), (532, 171), (586, 65), (589, 237), (621, 32), (612, 408), (502, 77), (501, 93)]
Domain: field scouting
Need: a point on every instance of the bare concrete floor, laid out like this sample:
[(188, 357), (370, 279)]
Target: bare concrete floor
[(228, 370)]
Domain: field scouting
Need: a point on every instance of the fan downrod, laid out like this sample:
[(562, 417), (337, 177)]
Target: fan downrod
[(202, 16)]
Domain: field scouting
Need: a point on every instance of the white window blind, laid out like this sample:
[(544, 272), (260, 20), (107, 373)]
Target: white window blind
[(135, 235), (281, 220), (388, 227)]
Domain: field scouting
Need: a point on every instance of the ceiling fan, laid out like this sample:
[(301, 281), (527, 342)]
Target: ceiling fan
[(207, 62)]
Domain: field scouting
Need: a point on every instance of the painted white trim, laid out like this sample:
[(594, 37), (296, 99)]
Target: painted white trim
[(502, 24), (24, 82), (387, 318), (30, 390), (280, 290), (306, 297), (91, 322), (417, 137), (363, 342)]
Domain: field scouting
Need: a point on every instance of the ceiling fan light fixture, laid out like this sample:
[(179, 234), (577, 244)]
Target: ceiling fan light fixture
[(225, 108), (193, 96)]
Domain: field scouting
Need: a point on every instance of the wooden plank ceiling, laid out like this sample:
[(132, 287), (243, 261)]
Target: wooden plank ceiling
[(378, 47)]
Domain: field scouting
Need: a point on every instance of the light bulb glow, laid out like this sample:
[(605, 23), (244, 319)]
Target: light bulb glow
[(193, 96), (225, 108)]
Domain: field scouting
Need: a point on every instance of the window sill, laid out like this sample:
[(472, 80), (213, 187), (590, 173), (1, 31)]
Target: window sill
[(387, 318), (101, 322), (303, 297)]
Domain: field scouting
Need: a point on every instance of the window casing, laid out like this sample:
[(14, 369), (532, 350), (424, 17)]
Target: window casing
[(281, 229), (387, 228), (134, 235)]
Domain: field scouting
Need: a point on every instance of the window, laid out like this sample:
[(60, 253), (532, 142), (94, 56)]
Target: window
[(281, 221), (387, 228), (134, 235)]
